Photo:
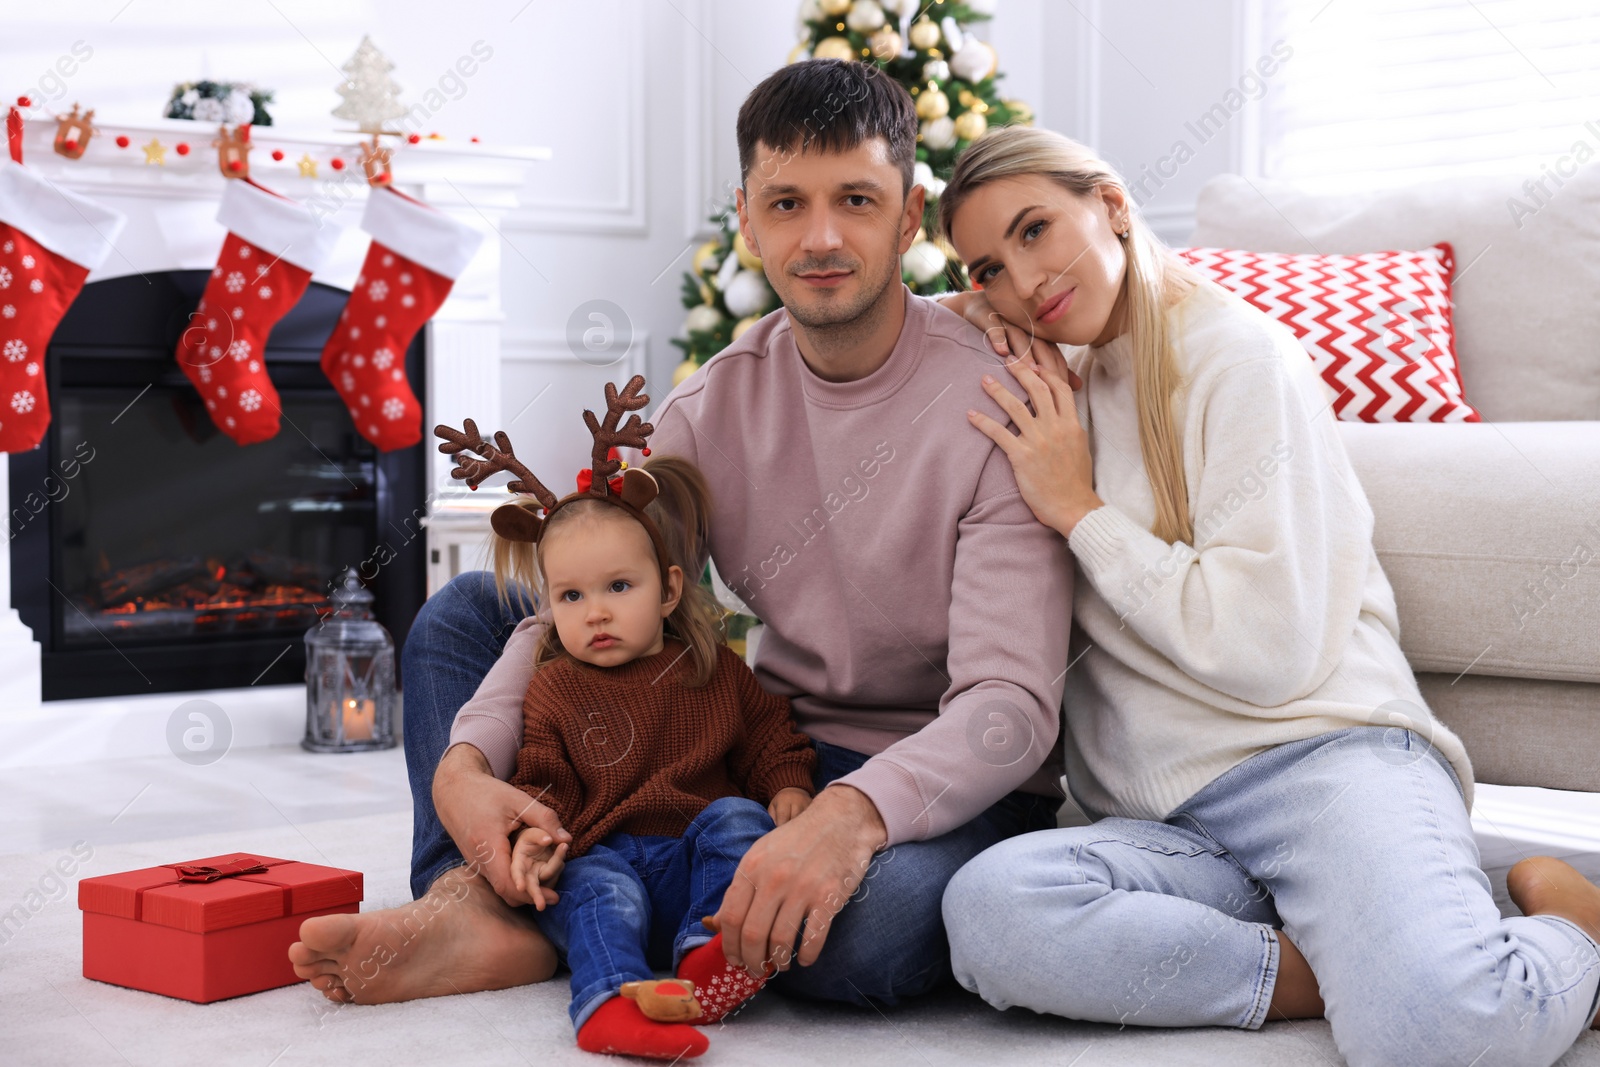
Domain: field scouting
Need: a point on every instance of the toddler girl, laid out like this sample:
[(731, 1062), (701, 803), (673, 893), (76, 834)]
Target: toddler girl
[(648, 736)]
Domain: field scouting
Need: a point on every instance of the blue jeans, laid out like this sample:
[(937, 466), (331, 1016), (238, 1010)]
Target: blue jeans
[(888, 942), (631, 904), (1355, 843)]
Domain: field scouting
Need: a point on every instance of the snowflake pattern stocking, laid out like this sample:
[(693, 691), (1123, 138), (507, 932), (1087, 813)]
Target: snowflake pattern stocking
[(50, 239), (417, 253), (273, 246)]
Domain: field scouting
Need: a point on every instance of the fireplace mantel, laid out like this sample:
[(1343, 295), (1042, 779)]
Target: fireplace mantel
[(171, 210)]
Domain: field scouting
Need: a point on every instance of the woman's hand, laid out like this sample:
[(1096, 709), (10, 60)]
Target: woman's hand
[(787, 803), (1050, 453), (480, 812), (1006, 337)]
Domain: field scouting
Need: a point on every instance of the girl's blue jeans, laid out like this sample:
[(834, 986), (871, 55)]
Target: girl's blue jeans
[(631, 904), (1356, 844)]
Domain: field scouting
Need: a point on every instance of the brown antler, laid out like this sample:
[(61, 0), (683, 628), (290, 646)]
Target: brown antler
[(634, 434), (496, 457)]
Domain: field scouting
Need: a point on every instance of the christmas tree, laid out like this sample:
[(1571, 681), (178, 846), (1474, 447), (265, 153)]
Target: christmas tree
[(371, 97), (950, 73)]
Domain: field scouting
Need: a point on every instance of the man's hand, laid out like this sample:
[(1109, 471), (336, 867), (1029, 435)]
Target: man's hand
[(787, 803), (804, 870), (479, 812)]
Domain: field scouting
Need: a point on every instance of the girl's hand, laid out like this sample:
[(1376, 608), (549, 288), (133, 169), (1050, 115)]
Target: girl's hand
[(536, 865), (1050, 454), (788, 803)]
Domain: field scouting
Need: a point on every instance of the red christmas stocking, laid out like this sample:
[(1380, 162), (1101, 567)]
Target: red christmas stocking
[(273, 246), (416, 255), (50, 239)]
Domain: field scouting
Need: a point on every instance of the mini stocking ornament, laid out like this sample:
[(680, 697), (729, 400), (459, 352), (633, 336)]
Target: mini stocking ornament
[(416, 255), (50, 239), (273, 246)]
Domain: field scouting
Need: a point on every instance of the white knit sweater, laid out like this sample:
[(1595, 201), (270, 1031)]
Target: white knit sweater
[(1275, 625)]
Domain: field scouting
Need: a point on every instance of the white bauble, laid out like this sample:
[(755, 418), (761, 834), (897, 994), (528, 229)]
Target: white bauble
[(921, 174), (810, 11), (209, 109), (239, 108), (747, 294), (704, 317), (974, 62), (901, 7), (924, 261), (939, 133), (865, 16), (935, 188), (936, 70)]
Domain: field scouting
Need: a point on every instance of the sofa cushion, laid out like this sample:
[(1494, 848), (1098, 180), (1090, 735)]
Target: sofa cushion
[(1377, 324), (1490, 535), (1527, 284)]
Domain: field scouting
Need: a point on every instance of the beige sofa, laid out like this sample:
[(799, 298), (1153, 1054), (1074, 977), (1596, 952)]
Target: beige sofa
[(1489, 532)]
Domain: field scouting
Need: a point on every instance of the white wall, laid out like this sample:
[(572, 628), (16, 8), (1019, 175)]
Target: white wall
[(637, 99)]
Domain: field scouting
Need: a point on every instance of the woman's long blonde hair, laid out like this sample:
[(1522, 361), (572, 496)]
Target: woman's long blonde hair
[(1153, 281), (682, 514)]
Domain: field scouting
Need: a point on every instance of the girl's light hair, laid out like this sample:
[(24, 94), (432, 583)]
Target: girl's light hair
[(682, 513), (1154, 280)]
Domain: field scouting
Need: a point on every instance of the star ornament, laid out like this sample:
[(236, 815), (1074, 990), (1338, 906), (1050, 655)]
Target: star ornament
[(155, 152), (308, 166)]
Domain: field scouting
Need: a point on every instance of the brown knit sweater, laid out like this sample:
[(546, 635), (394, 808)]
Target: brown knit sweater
[(631, 749)]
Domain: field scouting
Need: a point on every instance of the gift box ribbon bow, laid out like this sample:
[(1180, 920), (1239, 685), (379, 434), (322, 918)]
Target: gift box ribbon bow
[(189, 872)]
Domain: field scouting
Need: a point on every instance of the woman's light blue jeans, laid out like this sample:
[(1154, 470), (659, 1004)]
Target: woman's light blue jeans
[(1356, 844)]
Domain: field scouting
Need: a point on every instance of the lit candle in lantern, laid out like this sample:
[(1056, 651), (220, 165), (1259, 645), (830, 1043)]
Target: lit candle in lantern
[(359, 717)]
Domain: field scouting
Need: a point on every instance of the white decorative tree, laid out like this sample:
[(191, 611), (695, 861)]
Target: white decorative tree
[(371, 97)]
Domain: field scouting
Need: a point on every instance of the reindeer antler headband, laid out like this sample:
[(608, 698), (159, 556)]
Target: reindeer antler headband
[(520, 520)]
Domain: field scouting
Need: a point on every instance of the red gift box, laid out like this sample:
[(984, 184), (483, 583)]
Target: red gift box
[(208, 929)]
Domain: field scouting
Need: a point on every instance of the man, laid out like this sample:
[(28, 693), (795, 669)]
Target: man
[(916, 613)]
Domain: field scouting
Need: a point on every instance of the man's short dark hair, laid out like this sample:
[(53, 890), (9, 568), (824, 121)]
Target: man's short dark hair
[(830, 105)]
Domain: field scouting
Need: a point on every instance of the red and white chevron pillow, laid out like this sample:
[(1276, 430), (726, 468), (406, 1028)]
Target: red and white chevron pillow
[(1377, 325)]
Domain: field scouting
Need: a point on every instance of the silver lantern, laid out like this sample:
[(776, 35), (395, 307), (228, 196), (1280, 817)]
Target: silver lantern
[(349, 675)]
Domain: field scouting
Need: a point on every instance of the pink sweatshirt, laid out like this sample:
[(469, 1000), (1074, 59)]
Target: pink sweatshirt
[(915, 609)]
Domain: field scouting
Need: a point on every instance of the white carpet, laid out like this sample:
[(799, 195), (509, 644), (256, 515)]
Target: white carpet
[(50, 1014)]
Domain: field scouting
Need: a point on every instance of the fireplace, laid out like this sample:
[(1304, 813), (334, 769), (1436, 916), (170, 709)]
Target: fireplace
[(150, 553)]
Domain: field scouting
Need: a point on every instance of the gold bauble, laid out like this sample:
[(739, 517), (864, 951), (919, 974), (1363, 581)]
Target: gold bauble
[(747, 259), (798, 52), (1021, 113), (970, 125), (742, 325), (707, 294), (686, 368), (932, 104), (702, 257), (836, 7), (833, 48), (885, 44), (924, 33)]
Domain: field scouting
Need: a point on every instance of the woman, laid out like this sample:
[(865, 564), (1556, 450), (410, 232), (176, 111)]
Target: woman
[(1283, 825)]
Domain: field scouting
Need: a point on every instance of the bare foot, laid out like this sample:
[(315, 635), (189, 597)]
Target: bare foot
[(458, 938), (1543, 885)]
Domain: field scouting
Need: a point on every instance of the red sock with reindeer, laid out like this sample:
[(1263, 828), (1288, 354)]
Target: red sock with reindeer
[(273, 246), (618, 1027), (416, 255)]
